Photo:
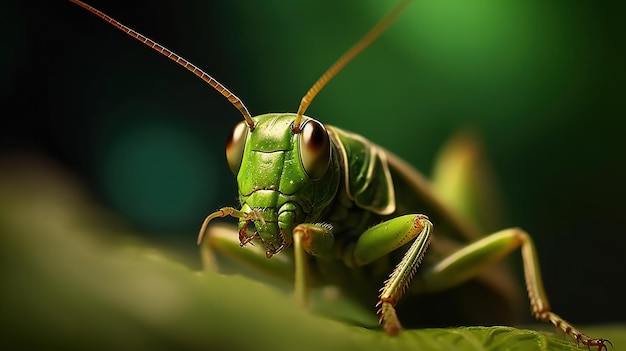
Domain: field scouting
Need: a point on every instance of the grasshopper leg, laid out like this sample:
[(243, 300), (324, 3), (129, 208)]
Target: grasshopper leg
[(465, 263), (383, 239), (313, 239), (316, 240)]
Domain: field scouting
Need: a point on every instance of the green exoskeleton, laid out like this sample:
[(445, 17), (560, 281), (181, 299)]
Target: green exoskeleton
[(338, 209)]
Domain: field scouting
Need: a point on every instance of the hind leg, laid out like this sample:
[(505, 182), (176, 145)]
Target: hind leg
[(465, 263)]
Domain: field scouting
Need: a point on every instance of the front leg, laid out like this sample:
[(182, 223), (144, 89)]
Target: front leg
[(313, 239), (316, 240)]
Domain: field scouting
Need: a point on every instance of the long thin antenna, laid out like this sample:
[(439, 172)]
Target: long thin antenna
[(344, 59), (176, 58)]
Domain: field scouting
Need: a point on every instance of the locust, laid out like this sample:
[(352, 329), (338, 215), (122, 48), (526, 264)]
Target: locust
[(337, 209)]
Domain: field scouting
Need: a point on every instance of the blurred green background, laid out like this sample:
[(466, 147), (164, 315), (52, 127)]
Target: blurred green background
[(541, 84)]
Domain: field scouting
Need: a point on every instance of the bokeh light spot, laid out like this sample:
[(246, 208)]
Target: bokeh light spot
[(158, 173)]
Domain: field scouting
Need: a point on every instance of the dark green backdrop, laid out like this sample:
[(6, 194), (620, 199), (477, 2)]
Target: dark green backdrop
[(542, 84)]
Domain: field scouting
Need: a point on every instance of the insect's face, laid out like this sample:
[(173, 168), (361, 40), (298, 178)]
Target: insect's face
[(284, 178)]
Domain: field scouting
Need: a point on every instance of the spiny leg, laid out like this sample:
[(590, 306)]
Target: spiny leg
[(383, 239), (470, 260), (317, 240)]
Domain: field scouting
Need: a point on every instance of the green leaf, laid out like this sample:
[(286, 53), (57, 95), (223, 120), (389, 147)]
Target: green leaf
[(72, 279)]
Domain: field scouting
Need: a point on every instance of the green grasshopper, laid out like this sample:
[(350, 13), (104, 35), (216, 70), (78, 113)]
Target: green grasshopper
[(341, 210)]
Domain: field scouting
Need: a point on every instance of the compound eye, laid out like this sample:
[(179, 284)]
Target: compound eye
[(314, 149), (235, 145)]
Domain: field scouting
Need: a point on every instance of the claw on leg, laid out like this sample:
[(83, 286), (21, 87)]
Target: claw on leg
[(538, 299), (568, 329), (389, 318)]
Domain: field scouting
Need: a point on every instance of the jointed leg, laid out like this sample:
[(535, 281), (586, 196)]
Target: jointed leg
[(468, 261), (317, 240), (383, 239), (312, 239)]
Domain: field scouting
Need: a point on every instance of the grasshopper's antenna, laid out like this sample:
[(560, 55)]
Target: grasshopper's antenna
[(176, 58), (343, 60)]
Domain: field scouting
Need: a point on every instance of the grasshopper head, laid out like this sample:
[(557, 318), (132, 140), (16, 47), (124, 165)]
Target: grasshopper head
[(284, 177)]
